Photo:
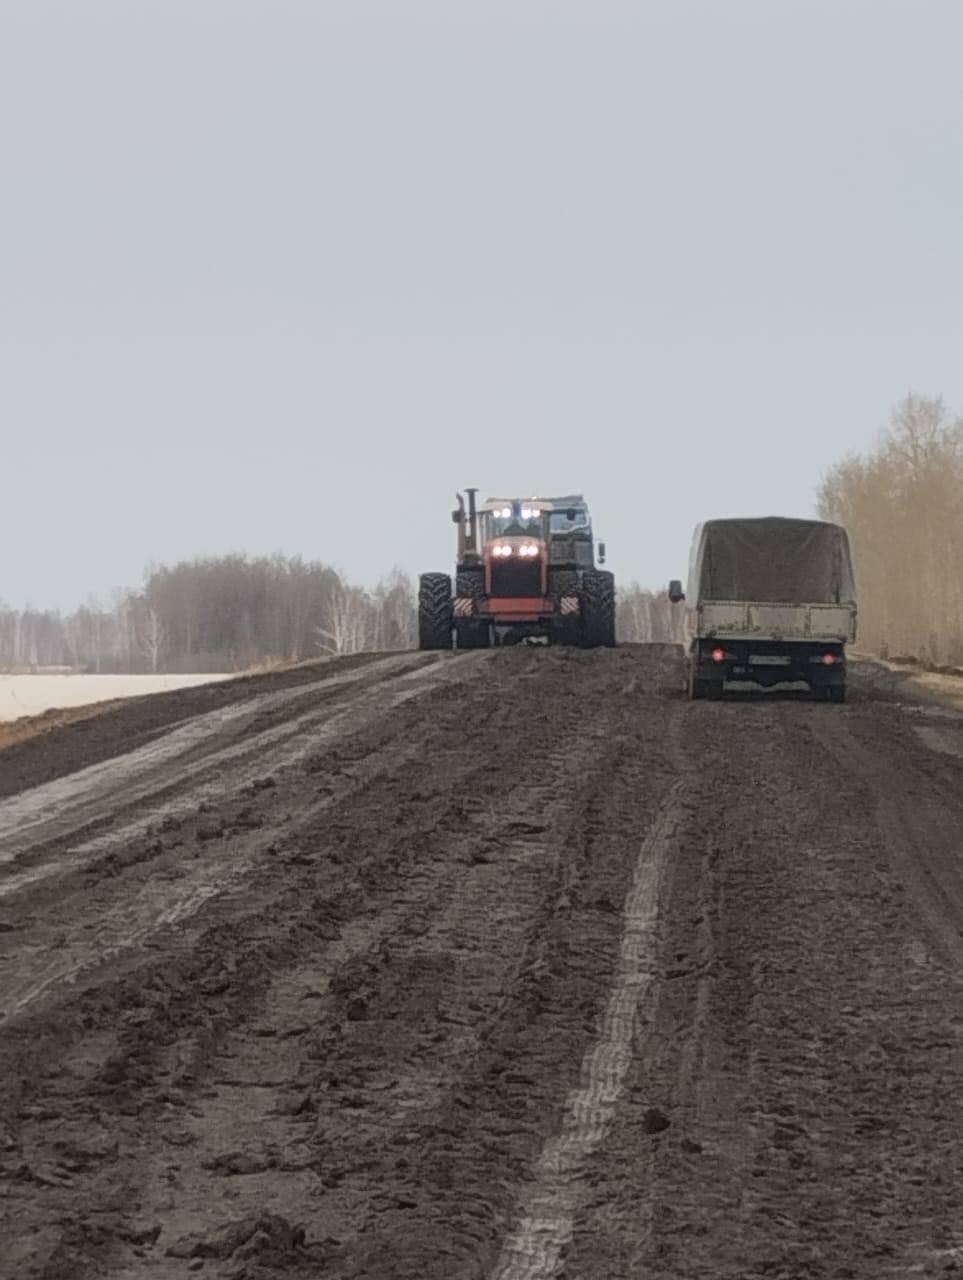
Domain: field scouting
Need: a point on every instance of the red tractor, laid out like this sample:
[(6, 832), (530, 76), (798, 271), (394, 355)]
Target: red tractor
[(525, 572)]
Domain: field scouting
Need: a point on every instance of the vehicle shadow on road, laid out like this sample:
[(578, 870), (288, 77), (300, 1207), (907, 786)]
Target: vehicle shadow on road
[(754, 695)]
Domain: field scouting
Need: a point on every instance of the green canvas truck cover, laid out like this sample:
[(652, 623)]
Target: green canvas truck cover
[(772, 559)]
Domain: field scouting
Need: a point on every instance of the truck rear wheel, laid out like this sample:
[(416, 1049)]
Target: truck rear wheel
[(598, 609), (434, 611)]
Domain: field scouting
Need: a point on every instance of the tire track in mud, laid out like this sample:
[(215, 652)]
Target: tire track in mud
[(451, 962), (348, 893), (792, 1107), (106, 731), (58, 809), (170, 803), (535, 1251), (466, 1165), (432, 915), (549, 973), (917, 805), (128, 913), (186, 979)]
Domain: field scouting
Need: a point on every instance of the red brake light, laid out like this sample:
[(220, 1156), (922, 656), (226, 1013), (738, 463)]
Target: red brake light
[(829, 659), (718, 655)]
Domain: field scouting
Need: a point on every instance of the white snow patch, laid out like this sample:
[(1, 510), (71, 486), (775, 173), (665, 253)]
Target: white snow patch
[(26, 695)]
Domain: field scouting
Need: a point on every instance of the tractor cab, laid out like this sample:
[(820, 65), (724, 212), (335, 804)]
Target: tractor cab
[(570, 536)]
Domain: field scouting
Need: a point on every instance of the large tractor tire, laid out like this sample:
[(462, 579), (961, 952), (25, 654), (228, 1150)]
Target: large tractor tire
[(598, 609), (434, 611), (562, 582), (471, 632), (470, 583)]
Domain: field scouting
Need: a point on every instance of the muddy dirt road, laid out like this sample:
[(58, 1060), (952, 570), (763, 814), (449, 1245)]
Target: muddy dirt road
[(504, 966)]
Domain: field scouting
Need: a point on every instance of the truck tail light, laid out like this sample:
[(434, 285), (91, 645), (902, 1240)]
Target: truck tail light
[(718, 655), (829, 659)]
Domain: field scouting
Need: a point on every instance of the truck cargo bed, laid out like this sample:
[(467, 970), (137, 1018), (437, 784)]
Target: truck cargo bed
[(745, 619)]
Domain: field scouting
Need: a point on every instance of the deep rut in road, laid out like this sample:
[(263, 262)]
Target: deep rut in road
[(500, 966)]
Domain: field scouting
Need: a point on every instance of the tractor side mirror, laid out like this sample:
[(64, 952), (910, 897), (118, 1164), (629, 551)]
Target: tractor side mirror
[(601, 553), (455, 517), (570, 514), (676, 594)]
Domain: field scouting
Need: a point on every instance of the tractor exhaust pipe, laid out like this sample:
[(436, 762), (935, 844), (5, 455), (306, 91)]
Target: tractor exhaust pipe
[(458, 515), (472, 541)]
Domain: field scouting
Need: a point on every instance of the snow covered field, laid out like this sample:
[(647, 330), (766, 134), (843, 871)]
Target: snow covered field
[(30, 695)]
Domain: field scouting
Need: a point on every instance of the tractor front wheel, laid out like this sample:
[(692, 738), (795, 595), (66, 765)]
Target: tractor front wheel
[(434, 611)]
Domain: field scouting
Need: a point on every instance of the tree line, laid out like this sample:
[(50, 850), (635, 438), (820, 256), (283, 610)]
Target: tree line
[(235, 612), (225, 613), (902, 503)]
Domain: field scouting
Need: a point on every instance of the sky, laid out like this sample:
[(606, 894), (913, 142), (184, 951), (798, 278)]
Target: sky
[(286, 274)]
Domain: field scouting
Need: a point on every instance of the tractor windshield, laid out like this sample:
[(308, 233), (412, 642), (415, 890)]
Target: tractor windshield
[(497, 524)]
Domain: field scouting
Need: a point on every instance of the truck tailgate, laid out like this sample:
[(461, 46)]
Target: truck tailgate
[(749, 619)]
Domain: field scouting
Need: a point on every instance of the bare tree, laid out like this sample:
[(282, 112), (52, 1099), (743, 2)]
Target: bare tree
[(346, 621), (903, 506), (153, 638), (396, 612), (647, 617)]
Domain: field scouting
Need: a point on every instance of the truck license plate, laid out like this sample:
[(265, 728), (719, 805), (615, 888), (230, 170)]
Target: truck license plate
[(768, 660)]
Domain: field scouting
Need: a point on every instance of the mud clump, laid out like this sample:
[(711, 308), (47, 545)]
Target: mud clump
[(269, 1239), (655, 1121)]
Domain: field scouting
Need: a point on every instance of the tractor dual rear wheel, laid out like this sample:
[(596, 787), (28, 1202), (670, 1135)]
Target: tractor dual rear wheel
[(470, 583), (598, 609), (434, 611), (471, 632)]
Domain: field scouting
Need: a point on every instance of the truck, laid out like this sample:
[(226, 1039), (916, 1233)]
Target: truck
[(769, 600), (526, 571)]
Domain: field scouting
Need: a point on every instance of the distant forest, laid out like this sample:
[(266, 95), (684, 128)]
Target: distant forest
[(232, 613), (227, 613)]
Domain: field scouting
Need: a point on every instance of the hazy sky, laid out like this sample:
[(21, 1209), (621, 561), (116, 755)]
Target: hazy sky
[(284, 274)]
